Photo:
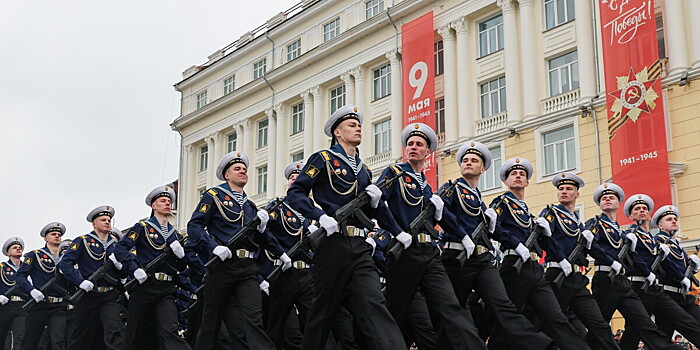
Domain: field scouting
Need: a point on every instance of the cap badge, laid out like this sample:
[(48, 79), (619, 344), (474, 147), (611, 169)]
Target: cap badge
[(238, 154), (517, 160), (472, 144), (605, 186), (639, 197), (355, 109), (563, 175), (166, 188), (298, 166), (416, 126)]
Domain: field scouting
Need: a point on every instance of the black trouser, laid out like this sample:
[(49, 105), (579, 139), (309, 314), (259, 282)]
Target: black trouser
[(529, 287), (480, 275), (344, 274), (96, 313), (152, 317), (12, 318), (233, 286), (51, 316), (687, 303), (292, 288), (420, 266), (668, 316), (618, 295), (420, 325), (575, 296)]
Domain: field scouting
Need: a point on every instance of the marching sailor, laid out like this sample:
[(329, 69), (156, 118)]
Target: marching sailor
[(12, 317)]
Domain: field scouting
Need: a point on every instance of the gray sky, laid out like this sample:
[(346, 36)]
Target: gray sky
[(86, 99)]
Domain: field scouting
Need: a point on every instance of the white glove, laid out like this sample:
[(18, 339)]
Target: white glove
[(265, 287), (329, 224), (468, 245), (439, 206), (222, 252), (375, 194), (371, 242), (312, 228), (493, 217), (116, 263), (37, 295), (177, 249), (264, 217), (633, 241), (651, 278), (565, 267), (665, 250), (286, 262), (523, 252), (588, 236), (694, 258), (542, 222), (86, 285), (685, 283), (616, 266), (140, 275), (3, 300), (405, 239)]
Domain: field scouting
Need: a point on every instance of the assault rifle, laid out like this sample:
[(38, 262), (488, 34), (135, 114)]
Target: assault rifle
[(155, 264), (623, 254), (15, 290), (100, 273), (352, 208), (531, 241), (690, 272), (571, 258), (655, 266), (480, 233), (53, 283), (421, 221)]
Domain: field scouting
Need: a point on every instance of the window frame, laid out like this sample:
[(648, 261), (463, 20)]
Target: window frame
[(294, 156), (439, 57), (386, 143), (501, 93), (557, 21), (229, 84), (497, 29), (494, 170), (203, 158), (539, 133), (440, 115), (381, 80), (259, 68), (295, 52), (201, 99), (375, 7), (570, 74), (229, 142), (297, 118), (261, 171), (263, 131), (340, 97), (330, 33)]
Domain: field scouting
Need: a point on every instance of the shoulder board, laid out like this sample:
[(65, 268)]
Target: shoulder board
[(325, 155), (396, 168), (143, 223), (212, 192), (83, 236)]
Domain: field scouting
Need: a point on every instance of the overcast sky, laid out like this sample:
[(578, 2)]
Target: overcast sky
[(86, 99)]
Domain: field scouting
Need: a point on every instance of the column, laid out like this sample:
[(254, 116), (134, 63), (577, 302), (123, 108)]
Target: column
[(464, 115), (693, 6), (586, 53), (396, 106), (211, 160), (282, 151), (190, 186), (349, 88), (240, 137), (529, 58), (450, 84), (248, 140), (308, 123), (360, 74), (219, 148), (319, 120), (184, 184), (514, 86), (676, 34), (271, 152)]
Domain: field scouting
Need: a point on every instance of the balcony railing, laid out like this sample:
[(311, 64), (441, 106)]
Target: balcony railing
[(561, 101), (379, 160), (491, 123), (441, 140)]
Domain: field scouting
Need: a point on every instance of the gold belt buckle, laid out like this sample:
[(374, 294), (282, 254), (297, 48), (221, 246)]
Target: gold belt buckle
[(480, 249), (299, 265), (351, 230), (534, 256), (423, 238), (53, 300), (103, 289), (16, 298), (242, 253)]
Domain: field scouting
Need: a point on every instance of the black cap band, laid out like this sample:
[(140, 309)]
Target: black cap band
[(232, 162), (419, 133), (344, 118), (516, 167), (666, 213), (162, 194), (567, 182), (610, 191), (478, 153), (104, 212)]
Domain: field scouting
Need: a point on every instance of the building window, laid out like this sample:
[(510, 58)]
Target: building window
[(563, 73), (493, 97), (382, 81), (259, 68), (229, 84), (557, 12), (491, 178), (262, 133), (440, 115), (559, 149), (297, 118), (262, 179), (439, 58), (298, 157), (490, 35), (382, 136), (373, 8), (231, 143), (200, 191), (660, 36), (203, 158), (294, 50), (337, 98), (201, 99), (331, 29)]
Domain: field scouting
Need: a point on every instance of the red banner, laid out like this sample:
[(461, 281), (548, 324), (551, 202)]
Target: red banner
[(636, 125), (418, 77)]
